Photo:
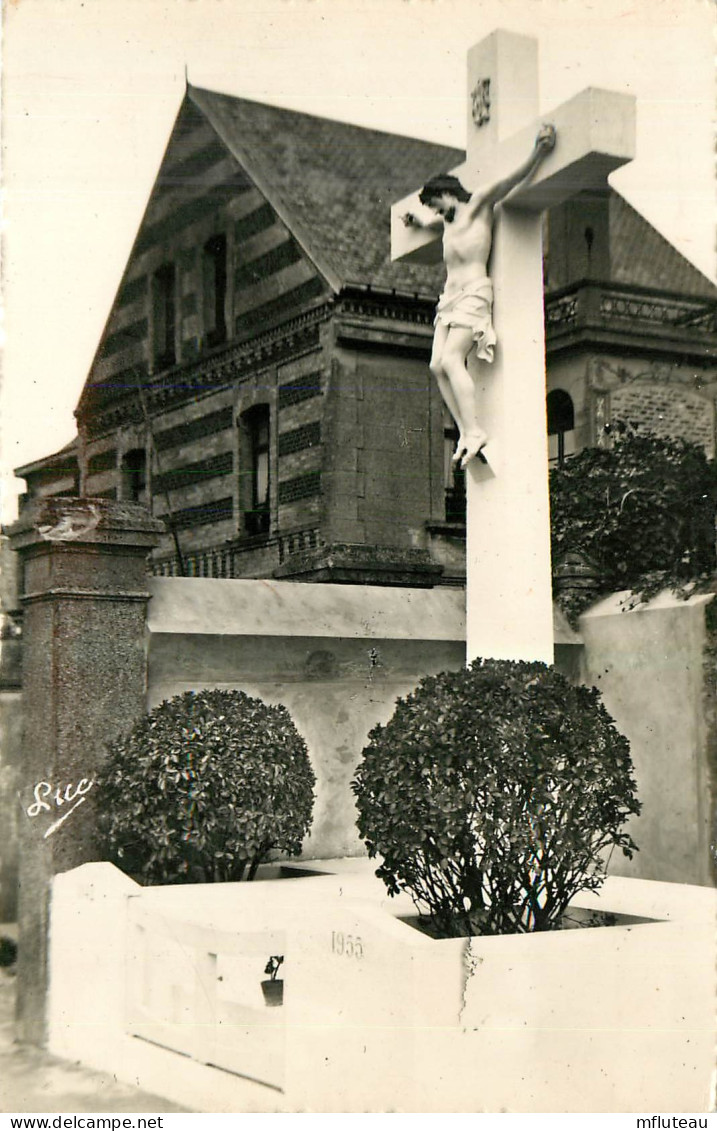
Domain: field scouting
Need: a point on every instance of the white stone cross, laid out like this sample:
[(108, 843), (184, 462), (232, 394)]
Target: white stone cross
[(509, 603)]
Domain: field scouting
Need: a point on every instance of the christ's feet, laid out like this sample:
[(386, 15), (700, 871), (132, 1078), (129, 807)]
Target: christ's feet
[(469, 447)]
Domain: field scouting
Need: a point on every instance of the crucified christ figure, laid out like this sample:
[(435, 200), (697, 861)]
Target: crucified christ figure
[(465, 309)]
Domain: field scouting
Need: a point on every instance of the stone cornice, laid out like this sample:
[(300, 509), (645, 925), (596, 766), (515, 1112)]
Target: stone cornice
[(385, 320), (358, 309), (388, 306), (73, 524), (69, 593), (192, 379)]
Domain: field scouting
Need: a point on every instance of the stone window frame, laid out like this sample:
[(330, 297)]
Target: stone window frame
[(255, 425), (166, 277), (217, 333), (134, 484)]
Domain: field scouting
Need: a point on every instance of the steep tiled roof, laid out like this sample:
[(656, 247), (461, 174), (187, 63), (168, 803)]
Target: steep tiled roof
[(332, 183), (641, 256)]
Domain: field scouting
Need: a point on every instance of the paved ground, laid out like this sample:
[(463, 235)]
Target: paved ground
[(31, 1080)]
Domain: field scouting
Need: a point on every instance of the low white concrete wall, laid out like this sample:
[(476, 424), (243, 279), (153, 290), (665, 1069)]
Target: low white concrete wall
[(87, 967), (605, 1019), (649, 664), (219, 607), (378, 1017), (336, 656)]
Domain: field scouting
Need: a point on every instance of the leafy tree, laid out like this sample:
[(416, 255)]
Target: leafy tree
[(493, 795), (643, 510), (203, 787)]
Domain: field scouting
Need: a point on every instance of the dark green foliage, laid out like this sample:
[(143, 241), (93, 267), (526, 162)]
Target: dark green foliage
[(492, 795), (204, 787), (644, 510)]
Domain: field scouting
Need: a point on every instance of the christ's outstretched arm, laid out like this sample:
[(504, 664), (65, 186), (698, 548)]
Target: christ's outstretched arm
[(493, 194), (412, 221)]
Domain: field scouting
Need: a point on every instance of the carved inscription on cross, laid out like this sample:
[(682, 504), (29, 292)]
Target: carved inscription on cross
[(509, 604)]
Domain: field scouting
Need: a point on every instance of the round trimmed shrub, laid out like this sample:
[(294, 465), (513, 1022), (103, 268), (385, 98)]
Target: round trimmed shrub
[(203, 788), (493, 795)]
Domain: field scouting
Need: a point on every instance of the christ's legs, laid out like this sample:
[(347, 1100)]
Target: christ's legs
[(438, 371), (458, 345)]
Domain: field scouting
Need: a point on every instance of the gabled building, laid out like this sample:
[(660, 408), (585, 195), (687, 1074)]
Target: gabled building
[(262, 381)]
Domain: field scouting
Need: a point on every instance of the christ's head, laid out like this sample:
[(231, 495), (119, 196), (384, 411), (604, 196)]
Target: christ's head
[(442, 194)]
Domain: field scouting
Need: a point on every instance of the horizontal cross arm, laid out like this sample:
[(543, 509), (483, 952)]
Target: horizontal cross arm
[(596, 134), (414, 245)]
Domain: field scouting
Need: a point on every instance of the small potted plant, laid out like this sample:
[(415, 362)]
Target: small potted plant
[(273, 987)]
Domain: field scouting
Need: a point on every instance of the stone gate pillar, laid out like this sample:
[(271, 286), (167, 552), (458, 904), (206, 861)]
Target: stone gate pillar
[(84, 591)]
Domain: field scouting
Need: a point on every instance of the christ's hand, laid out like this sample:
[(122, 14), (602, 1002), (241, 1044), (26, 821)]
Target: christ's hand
[(545, 141)]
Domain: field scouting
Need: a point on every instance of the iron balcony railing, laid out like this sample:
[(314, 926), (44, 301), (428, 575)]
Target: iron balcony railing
[(619, 312)]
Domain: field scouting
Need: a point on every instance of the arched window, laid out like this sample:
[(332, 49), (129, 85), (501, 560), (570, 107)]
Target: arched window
[(134, 476), (255, 463), (561, 425)]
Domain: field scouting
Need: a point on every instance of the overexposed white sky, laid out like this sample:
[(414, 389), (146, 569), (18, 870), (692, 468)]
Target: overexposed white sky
[(91, 89)]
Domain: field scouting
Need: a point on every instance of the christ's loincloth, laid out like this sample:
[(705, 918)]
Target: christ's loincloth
[(472, 307)]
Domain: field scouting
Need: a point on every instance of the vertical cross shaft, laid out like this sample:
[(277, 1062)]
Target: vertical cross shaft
[(509, 611), (509, 599)]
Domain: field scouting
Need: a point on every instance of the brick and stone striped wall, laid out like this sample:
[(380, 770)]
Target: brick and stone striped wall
[(200, 192), (667, 410), (195, 473)]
